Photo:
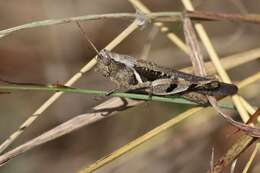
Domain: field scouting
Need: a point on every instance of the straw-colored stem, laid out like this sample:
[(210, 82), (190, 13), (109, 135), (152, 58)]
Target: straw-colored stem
[(215, 59), (251, 159), (231, 61), (131, 145), (251, 110), (250, 79), (247, 106)]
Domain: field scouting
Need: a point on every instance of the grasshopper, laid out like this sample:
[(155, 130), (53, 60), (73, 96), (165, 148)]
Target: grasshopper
[(140, 76)]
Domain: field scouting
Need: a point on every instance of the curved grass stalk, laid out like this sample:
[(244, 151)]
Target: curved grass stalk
[(51, 22)]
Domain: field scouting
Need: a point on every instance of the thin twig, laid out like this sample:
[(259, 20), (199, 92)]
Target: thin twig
[(51, 22)]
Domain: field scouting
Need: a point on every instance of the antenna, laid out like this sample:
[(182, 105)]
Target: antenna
[(86, 36)]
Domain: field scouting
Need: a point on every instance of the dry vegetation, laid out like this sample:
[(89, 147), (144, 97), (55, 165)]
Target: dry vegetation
[(155, 136)]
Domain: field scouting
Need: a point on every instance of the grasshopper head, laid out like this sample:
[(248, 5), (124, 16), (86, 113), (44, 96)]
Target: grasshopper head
[(106, 63), (105, 57)]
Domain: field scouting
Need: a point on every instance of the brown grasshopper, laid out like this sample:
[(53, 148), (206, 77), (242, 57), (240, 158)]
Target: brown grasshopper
[(139, 76)]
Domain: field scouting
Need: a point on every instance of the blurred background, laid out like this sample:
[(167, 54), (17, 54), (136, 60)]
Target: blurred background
[(55, 53)]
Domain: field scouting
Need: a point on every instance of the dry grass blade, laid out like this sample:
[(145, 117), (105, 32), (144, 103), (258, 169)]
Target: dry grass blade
[(242, 144), (215, 59), (251, 159), (231, 61), (248, 107), (195, 52), (252, 131), (250, 79), (131, 28), (197, 60), (131, 145), (101, 111), (240, 58), (254, 116), (198, 64), (200, 70)]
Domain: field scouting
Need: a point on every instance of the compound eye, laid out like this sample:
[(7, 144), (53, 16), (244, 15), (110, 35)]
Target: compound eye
[(105, 57), (107, 60)]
